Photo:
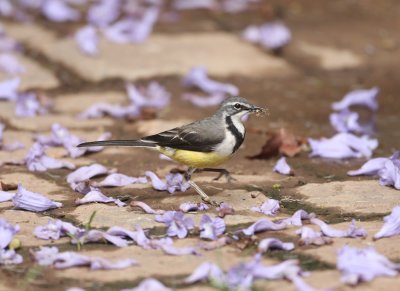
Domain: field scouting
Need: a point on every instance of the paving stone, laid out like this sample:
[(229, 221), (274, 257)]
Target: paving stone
[(364, 197), (151, 58), (28, 221), (35, 76), (331, 58)]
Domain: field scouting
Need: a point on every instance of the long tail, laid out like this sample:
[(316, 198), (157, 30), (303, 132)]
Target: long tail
[(122, 143)]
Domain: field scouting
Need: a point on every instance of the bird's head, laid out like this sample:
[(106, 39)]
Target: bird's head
[(237, 107)]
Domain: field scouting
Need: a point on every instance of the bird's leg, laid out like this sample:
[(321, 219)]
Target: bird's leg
[(222, 172), (203, 195)]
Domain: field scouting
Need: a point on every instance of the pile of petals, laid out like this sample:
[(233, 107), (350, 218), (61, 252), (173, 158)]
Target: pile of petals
[(31, 201), (343, 146), (363, 265), (153, 96), (345, 120), (8, 147), (8, 256), (47, 256), (178, 224), (60, 136), (269, 207), (391, 227), (37, 161), (387, 169), (241, 276), (173, 182), (274, 35), (282, 167)]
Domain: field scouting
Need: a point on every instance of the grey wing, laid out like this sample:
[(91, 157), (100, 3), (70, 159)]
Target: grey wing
[(200, 136)]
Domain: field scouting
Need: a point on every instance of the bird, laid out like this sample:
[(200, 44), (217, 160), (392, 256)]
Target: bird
[(200, 145)]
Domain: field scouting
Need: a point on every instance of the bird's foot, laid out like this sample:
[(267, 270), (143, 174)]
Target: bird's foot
[(225, 173), (208, 200)]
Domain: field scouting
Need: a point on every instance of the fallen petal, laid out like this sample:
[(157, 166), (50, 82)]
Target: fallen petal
[(269, 207), (263, 225), (274, 243), (31, 201), (365, 98), (282, 167), (96, 196), (146, 207), (119, 180), (353, 231), (391, 226)]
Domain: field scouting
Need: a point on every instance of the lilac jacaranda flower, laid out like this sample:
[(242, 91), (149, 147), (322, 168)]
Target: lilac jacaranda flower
[(55, 229), (114, 110), (366, 98), (298, 217), (85, 173), (8, 147), (37, 160), (9, 89), (87, 40), (211, 228), (363, 265), (348, 121), (51, 256), (225, 209), (119, 180), (370, 168), (146, 208), (149, 284), (197, 77), (178, 224), (282, 167), (389, 174), (194, 4), (343, 146), (7, 232), (31, 201), (104, 12), (27, 105), (95, 235), (153, 96), (310, 237), (236, 6), (6, 196), (10, 65), (130, 30), (10, 257), (205, 271), (269, 207), (96, 196), (329, 231), (274, 243), (6, 8), (138, 236), (189, 206), (263, 225), (174, 182), (175, 251), (391, 226), (213, 99), (274, 35), (59, 11)]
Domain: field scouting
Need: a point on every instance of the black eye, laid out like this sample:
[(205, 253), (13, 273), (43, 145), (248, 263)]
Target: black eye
[(237, 106)]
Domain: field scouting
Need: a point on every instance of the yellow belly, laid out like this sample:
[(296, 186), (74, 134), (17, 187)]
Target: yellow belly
[(195, 159)]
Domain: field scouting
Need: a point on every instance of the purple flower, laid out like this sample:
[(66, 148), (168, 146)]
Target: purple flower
[(274, 35), (205, 271), (146, 207), (149, 284), (7, 232), (85, 173), (27, 105), (37, 160), (9, 89), (213, 99), (96, 196), (10, 65), (363, 265), (197, 77), (194, 4), (274, 243), (391, 227), (104, 12), (366, 98), (269, 207), (235, 6), (389, 175), (118, 111), (178, 224), (263, 225), (174, 182), (370, 168), (282, 167), (298, 217), (10, 257), (55, 229), (189, 206), (87, 40), (95, 235), (174, 251), (211, 228), (154, 96), (353, 231), (138, 236), (347, 121), (119, 180), (6, 196), (343, 146), (310, 237), (31, 201), (59, 11)]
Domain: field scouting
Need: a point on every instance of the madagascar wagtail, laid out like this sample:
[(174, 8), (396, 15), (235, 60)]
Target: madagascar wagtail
[(202, 144)]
